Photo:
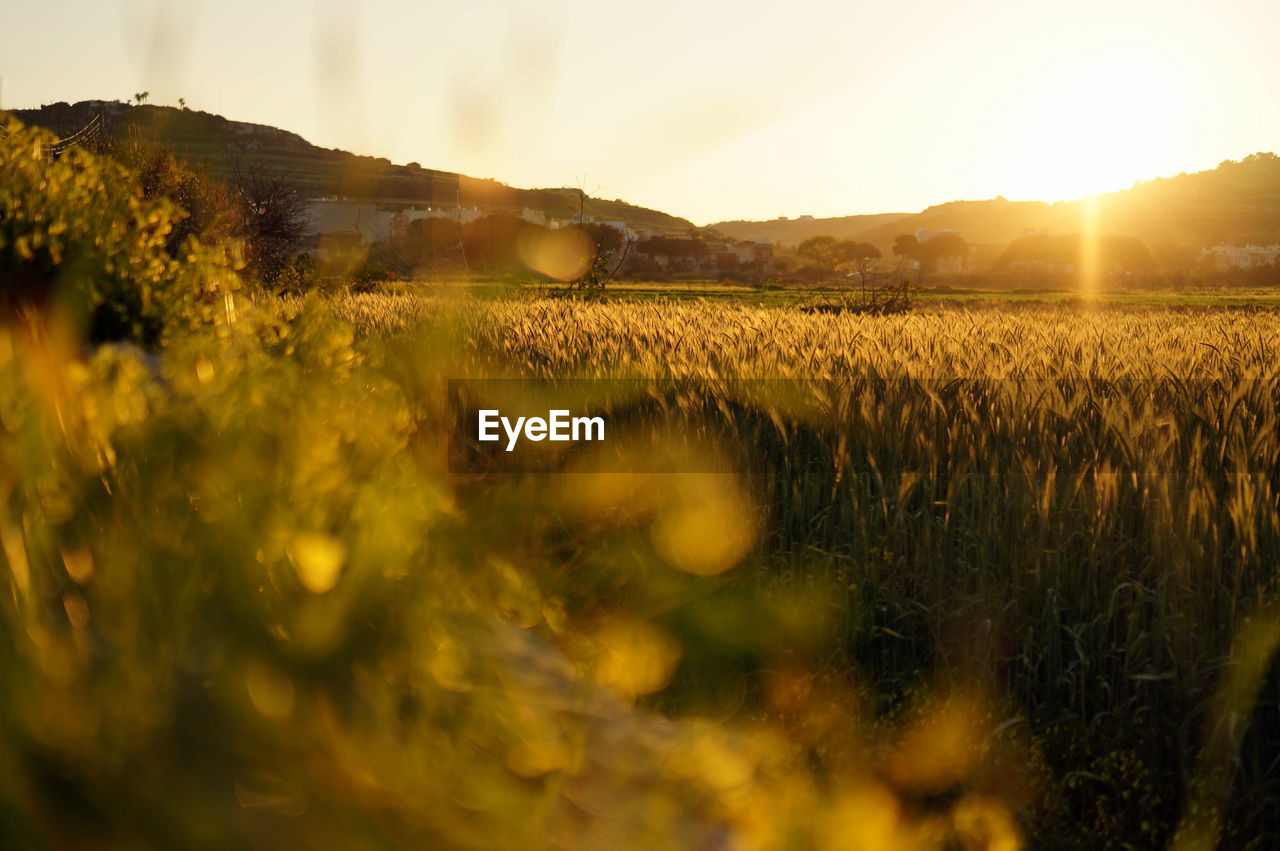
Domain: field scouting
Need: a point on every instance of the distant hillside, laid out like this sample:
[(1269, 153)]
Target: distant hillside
[(794, 231), (1236, 202), (321, 172)]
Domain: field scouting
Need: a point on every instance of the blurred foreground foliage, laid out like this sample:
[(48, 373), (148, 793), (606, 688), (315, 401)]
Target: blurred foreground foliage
[(243, 605)]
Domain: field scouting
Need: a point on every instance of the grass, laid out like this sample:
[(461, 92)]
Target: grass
[(931, 296)]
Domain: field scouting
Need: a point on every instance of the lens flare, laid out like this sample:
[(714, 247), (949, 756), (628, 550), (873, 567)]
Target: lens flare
[(1090, 259), (562, 254), (708, 529), (635, 657)]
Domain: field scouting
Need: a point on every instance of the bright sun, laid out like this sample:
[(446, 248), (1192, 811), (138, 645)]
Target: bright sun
[(1094, 128)]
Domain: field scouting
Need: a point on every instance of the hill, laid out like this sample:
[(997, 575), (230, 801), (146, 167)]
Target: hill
[(786, 231), (1237, 202), (210, 140)]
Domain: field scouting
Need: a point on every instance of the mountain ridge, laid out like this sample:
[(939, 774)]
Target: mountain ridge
[(212, 140), (1236, 202)]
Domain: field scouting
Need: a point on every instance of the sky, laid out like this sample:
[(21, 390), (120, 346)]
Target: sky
[(706, 110)]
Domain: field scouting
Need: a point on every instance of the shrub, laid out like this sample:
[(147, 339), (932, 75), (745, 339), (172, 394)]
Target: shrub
[(298, 276), (159, 173), (78, 235), (370, 276)]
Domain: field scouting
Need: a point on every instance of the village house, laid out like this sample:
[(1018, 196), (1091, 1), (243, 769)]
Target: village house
[(1224, 256), (334, 221), (753, 251)]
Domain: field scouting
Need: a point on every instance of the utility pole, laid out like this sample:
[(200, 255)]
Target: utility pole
[(582, 196), (462, 243)]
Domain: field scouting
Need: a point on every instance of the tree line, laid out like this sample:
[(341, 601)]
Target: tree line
[(826, 256)]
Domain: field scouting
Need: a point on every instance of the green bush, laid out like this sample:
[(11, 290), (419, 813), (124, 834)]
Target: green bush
[(77, 236), (159, 173), (371, 276)]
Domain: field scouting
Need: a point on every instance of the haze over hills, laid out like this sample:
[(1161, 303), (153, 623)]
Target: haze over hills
[(785, 231), (1237, 202), (323, 172)]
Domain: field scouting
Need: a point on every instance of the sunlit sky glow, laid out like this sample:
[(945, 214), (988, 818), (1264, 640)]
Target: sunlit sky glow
[(706, 110)]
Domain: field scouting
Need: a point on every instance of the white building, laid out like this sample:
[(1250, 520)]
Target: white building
[(368, 222), (1224, 256)]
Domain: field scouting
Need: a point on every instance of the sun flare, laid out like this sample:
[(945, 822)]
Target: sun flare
[(1095, 127)]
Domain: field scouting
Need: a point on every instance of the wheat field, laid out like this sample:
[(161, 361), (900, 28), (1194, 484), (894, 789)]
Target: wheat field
[(972, 576), (1072, 510)]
